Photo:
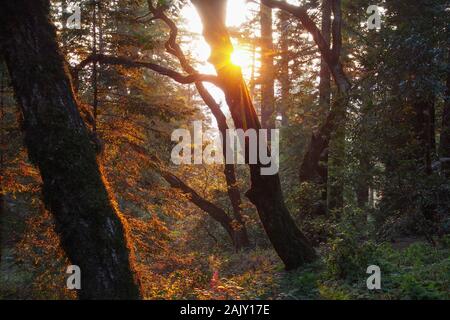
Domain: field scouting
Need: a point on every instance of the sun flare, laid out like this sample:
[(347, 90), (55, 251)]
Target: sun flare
[(241, 58)]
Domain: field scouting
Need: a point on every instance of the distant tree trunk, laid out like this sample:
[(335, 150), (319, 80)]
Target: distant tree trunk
[(325, 74), (2, 149), (423, 123), (335, 193), (321, 177), (333, 156), (87, 219), (362, 186), (284, 68), (267, 69), (265, 192), (311, 167), (444, 144), (252, 82), (95, 8)]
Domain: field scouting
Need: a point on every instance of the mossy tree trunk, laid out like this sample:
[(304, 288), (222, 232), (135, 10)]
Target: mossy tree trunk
[(87, 219)]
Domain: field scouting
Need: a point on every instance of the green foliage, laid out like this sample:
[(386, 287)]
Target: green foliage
[(418, 272), (347, 257)]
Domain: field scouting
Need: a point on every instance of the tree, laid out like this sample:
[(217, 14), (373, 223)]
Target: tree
[(2, 145), (284, 67), (324, 104), (87, 219), (235, 227), (445, 134), (265, 192), (325, 75), (267, 73), (311, 168), (239, 230)]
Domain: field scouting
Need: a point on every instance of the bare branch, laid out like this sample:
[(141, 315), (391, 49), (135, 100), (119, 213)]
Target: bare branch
[(125, 62)]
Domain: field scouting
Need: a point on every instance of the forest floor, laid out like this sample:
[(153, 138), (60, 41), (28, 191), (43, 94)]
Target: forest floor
[(33, 267), (411, 269)]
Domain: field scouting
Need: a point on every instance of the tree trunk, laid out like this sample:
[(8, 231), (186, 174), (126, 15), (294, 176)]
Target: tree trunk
[(424, 132), (321, 176), (2, 149), (444, 145), (325, 74), (267, 69), (241, 239), (87, 219), (325, 95), (364, 178), (94, 79), (284, 68), (311, 168), (265, 192), (241, 235)]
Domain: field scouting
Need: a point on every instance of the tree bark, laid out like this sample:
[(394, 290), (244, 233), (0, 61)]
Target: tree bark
[(87, 219), (265, 192)]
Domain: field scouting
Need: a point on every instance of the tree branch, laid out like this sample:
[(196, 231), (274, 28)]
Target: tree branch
[(125, 62)]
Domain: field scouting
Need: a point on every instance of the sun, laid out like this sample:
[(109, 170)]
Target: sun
[(240, 58)]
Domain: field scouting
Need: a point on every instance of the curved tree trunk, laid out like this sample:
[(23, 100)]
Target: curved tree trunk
[(87, 219), (265, 192)]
